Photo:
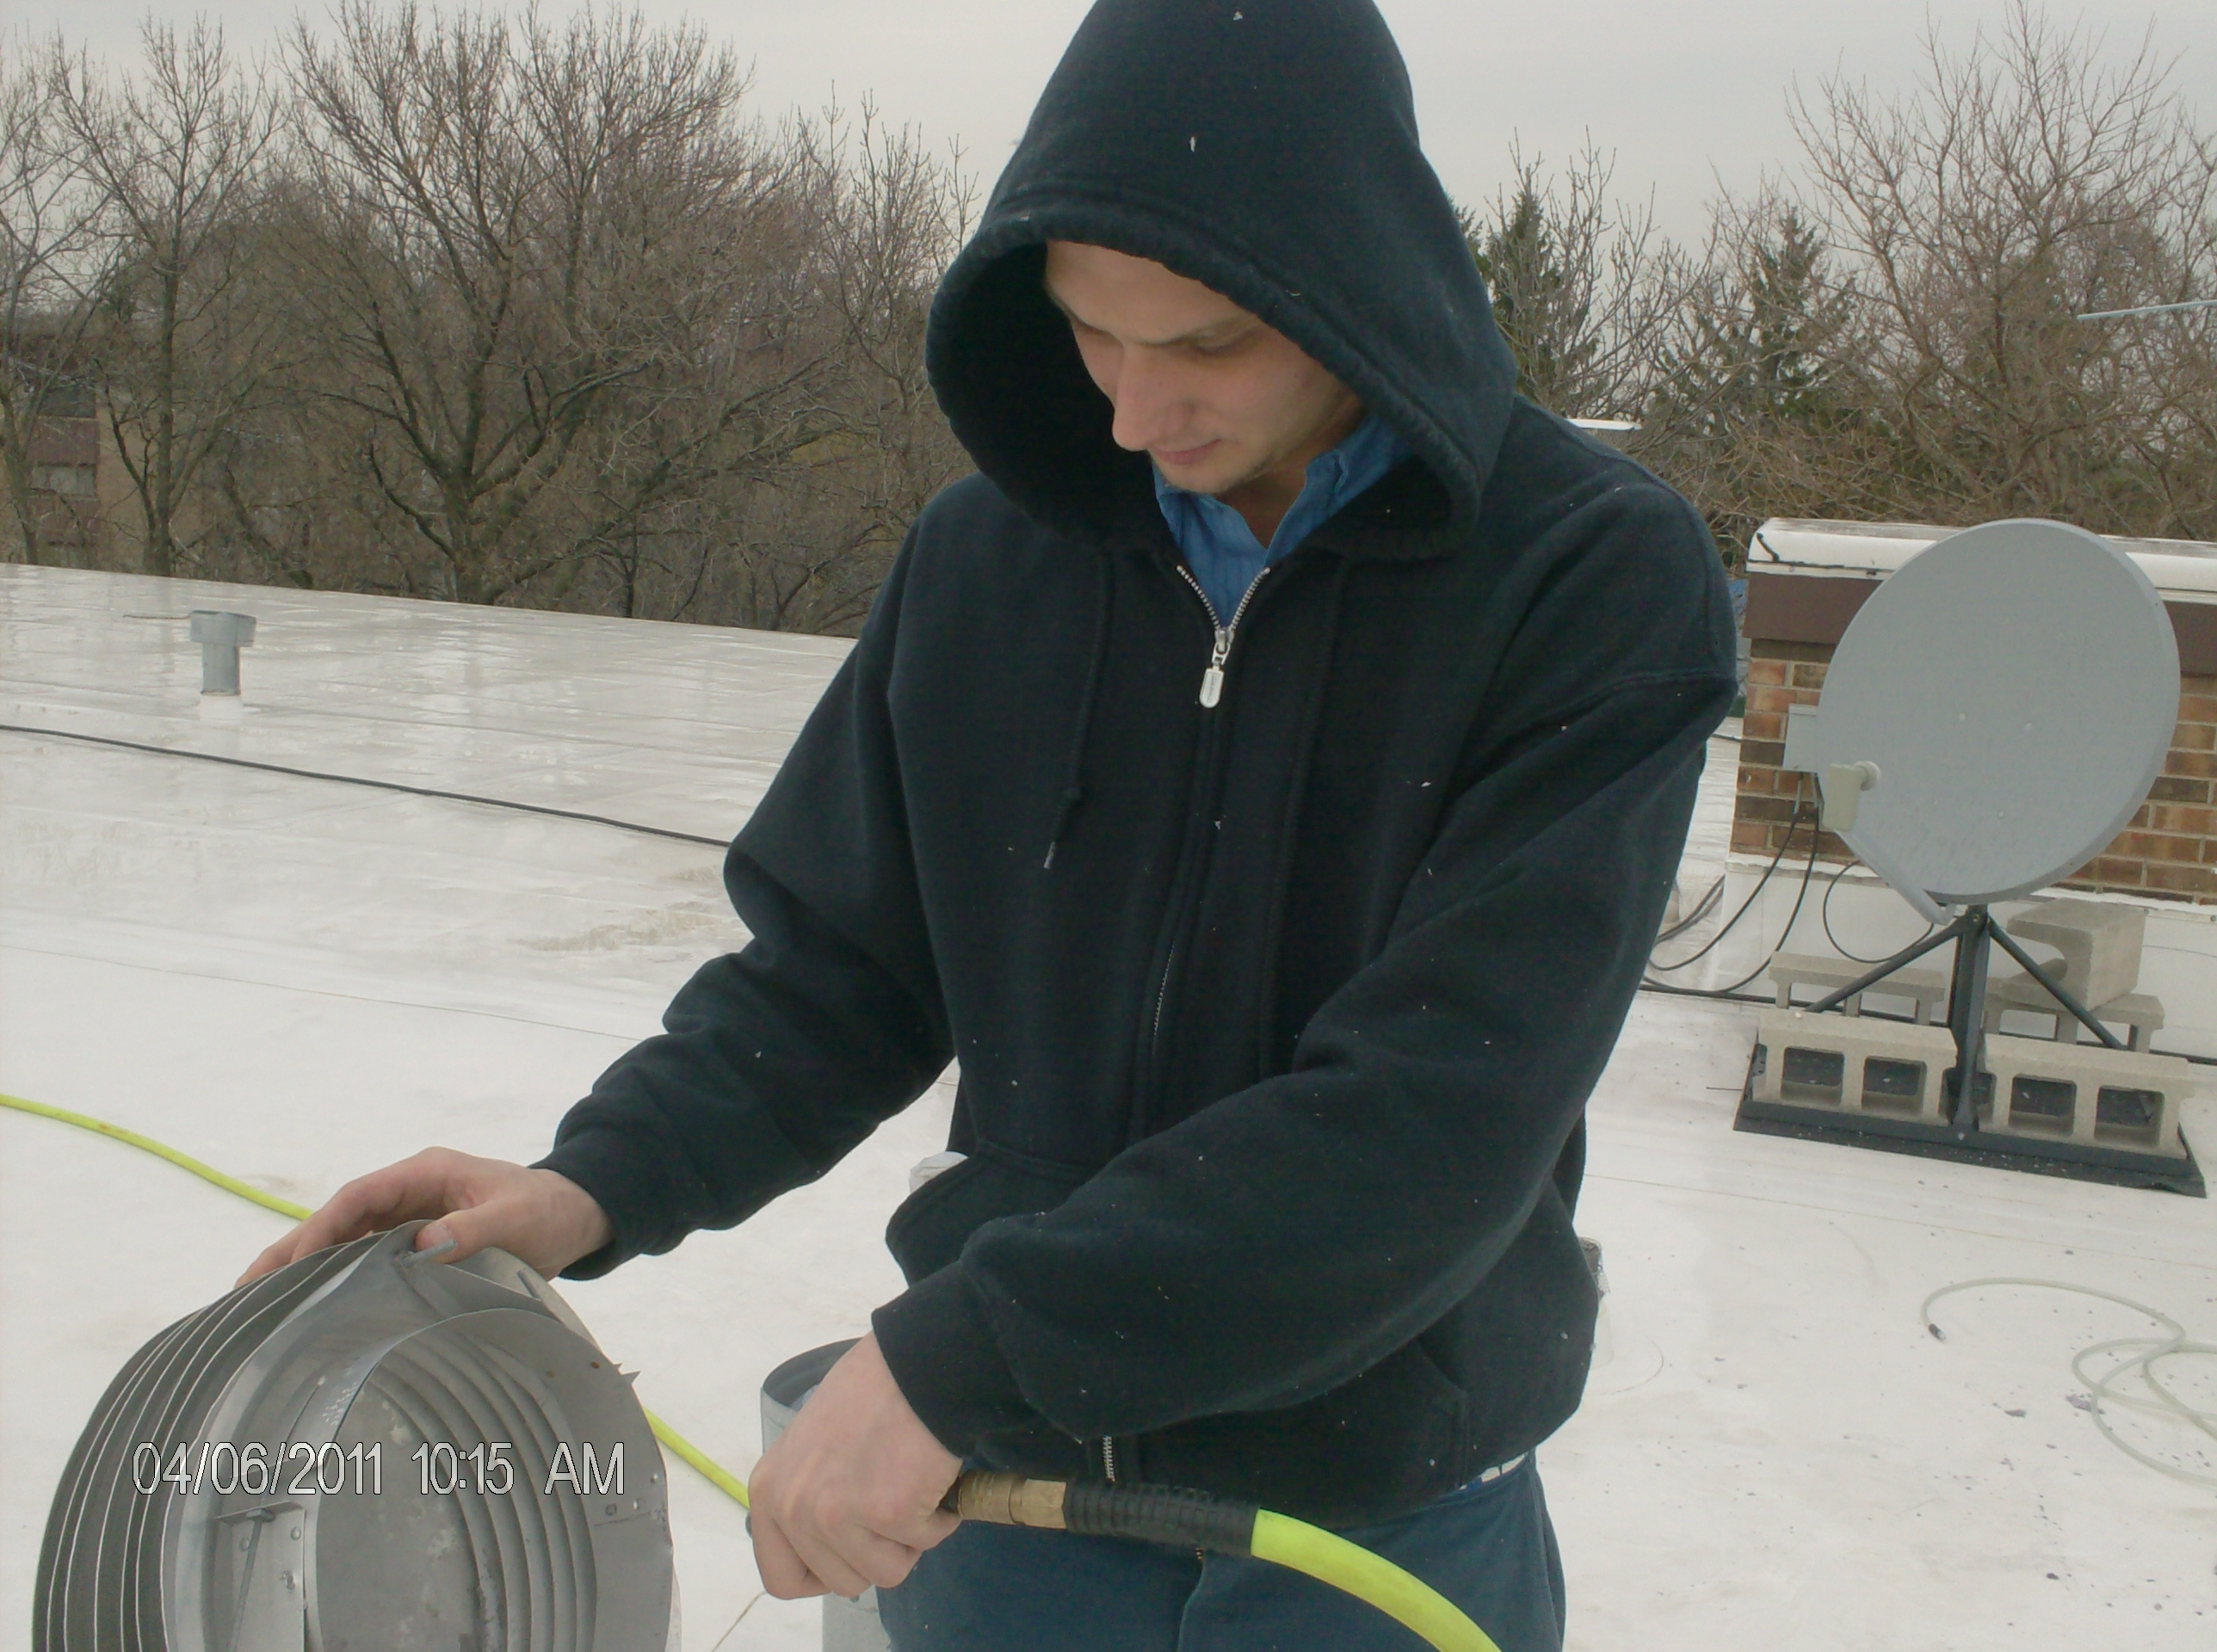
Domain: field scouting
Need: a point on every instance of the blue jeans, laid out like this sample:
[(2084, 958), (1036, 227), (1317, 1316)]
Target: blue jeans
[(1488, 1548)]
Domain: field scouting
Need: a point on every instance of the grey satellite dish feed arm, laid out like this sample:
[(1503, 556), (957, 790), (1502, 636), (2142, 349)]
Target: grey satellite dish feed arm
[(1879, 858), (1840, 787)]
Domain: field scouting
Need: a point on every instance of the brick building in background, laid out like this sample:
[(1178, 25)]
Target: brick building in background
[(66, 482), (1807, 580), (63, 450)]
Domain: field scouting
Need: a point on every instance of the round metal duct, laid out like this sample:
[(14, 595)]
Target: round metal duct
[(363, 1452)]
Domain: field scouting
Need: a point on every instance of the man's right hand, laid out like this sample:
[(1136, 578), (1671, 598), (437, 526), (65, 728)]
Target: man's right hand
[(538, 1216)]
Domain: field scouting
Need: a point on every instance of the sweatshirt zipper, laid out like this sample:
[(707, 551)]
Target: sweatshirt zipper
[(1212, 680), (1212, 692)]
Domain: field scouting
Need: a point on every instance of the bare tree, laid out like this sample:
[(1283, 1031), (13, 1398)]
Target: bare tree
[(1898, 336), (52, 266), (182, 152), (495, 311), (1581, 284), (891, 217), (866, 220), (509, 232), (2023, 184), (1759, 405)]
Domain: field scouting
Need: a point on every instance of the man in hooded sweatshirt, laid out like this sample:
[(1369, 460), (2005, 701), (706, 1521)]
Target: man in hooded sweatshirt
[(1264, 778)]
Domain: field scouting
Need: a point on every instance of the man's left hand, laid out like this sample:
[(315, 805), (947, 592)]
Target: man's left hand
[(848, 1496)]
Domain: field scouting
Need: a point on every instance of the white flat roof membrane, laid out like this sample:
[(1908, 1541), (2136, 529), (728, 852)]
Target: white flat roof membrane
[(297, 981)]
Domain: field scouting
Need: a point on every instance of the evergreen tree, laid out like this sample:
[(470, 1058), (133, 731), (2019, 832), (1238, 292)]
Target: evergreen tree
[(1765, 345), (1538, 303), (1759, 408)]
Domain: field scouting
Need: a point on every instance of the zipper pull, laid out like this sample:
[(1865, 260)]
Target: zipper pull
[(1212, 681)]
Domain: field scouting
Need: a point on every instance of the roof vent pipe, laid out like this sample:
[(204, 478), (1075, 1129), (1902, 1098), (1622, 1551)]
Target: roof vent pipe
[(221, 636)]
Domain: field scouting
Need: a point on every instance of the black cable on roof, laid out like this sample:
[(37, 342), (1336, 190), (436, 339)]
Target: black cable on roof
[(1824, 910), (1665, 988), (1726, 994), (1648, 983), (358, 780), (1732, 921)]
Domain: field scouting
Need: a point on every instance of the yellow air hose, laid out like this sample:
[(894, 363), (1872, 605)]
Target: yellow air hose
[(1330, 1558), (1186, 1519), (1194, 1519), (710, 1470)]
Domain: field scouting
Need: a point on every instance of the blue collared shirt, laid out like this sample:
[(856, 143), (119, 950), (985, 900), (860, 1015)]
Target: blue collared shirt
[(1223, 552)]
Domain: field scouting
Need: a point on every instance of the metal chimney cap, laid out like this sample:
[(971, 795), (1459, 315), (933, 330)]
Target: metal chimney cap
[(230, 630)]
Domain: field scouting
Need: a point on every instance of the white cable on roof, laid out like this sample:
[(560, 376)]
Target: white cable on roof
[(2135, 1356)]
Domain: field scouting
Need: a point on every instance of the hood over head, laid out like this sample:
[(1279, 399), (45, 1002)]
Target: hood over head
[(1266, 149)]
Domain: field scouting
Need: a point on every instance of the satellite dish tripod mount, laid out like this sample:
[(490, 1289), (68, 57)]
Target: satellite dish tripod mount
[(1970, 931)]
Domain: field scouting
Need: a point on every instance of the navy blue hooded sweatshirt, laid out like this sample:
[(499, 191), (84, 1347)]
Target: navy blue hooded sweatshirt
[(1275, 1019)]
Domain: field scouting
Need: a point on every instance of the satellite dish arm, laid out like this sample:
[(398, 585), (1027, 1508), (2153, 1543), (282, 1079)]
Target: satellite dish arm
[(1839, 796), (1884, 865), (1840, 787)]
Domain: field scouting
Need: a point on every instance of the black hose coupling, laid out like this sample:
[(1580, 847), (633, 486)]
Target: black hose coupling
[(1094, 1508), (1184, 1519)]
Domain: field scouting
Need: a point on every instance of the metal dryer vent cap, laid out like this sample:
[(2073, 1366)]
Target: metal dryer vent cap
[(220, 635), (364, 1452)]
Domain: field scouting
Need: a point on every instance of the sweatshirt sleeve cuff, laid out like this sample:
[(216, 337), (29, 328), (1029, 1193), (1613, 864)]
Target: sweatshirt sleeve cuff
[(628, 1184), (938, 1342)]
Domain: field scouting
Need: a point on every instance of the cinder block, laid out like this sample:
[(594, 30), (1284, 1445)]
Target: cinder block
[(2087, 1094), (2140, 1013), (2100, 941), (1927, 989), (1854, 1064)]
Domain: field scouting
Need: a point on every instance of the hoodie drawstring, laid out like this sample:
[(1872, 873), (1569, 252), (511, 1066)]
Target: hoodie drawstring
[(1303, 751), (1073, 787)]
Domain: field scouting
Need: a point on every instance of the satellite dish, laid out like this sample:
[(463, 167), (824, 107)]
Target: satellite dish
[(1991, 717), (1995, 713)]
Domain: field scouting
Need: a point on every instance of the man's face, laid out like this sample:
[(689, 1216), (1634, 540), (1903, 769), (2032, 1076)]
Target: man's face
[(1216, 398)]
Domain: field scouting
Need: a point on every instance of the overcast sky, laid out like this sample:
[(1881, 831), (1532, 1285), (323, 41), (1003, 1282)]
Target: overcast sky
[(1684, 94)]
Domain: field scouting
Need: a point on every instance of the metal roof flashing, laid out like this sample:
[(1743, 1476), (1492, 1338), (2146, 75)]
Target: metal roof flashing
[(2184, 569)]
